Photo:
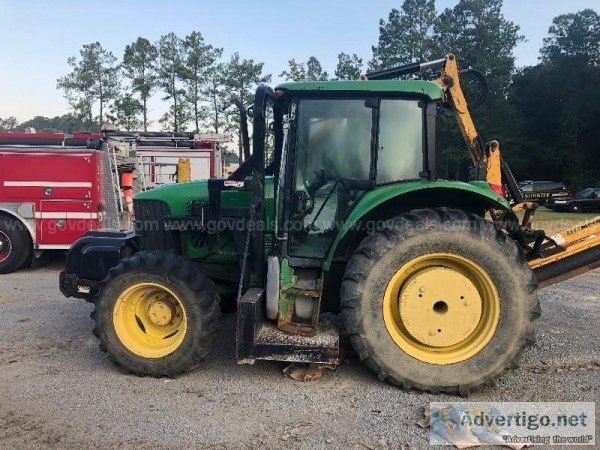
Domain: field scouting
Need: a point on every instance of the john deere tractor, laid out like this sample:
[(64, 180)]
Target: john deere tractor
[(337, 208)]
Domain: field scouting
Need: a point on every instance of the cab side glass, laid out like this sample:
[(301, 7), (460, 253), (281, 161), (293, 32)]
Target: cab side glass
[(400, 152)]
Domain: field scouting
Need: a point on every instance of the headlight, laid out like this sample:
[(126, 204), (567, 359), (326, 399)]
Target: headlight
[(562, 202)]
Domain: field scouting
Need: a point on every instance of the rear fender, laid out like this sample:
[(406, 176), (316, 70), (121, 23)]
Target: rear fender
[(389, 201)]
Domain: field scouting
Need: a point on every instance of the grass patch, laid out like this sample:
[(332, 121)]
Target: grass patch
[(553, 221)]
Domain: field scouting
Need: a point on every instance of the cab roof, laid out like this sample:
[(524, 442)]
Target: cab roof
[(428, 88)]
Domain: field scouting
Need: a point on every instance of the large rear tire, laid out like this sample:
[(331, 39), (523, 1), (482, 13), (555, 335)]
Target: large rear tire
[(439, 300), (156, 314), (16, 248)]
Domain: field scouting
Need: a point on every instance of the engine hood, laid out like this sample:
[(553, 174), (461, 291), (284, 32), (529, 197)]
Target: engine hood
[(177, 195)]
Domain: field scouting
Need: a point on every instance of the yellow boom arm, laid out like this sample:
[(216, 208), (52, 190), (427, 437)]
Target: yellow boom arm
[(568, 253)]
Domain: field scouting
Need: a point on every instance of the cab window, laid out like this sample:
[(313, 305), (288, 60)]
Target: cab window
[(400, 149)]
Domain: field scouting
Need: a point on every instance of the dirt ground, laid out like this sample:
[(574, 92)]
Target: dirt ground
[(58, 390)]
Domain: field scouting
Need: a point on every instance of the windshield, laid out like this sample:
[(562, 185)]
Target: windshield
[(585, 193)]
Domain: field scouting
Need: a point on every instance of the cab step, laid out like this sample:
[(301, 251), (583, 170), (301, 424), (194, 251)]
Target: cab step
[(258, 338)]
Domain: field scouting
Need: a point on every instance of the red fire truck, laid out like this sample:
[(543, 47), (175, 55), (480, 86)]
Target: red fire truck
[(55, 186), (51, 193)]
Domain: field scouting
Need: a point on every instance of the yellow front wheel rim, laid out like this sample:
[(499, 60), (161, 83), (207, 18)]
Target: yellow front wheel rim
[(441, 308), (150, 320)]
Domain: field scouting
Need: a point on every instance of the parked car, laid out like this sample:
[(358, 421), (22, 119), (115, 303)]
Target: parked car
[(586, 200), (540, 191)]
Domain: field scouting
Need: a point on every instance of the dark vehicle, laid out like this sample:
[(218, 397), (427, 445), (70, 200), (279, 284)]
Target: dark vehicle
[(586, 200), (540, 191)]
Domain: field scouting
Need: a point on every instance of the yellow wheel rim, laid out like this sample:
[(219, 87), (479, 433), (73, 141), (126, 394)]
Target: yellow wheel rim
[(150, 320), (441, 308)]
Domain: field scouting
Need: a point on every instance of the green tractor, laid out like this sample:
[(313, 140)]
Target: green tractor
[(337, 209)]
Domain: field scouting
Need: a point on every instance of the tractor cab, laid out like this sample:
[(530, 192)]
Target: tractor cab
[(341, 144), (327, 146), (338, 141), (331, 143)]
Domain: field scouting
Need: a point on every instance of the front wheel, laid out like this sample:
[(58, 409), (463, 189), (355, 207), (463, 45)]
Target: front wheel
[(575, 208), (156, 314), (439, 300)]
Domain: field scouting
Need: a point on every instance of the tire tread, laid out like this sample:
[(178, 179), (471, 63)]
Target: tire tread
[(376, 244)]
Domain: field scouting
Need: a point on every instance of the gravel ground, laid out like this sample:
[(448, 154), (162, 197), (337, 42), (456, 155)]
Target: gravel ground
[(58, 390)]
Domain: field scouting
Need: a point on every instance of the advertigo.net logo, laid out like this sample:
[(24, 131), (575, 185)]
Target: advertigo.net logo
[(514, 424)]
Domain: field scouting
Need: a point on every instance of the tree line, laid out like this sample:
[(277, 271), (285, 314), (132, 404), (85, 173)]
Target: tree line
[(544, 115)]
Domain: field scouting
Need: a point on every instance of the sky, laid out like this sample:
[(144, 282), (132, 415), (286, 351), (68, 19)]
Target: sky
[(37, 36)]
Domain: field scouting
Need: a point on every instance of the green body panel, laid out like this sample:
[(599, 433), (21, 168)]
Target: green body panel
[(371, 199), (178, 195), (287, 280), (427, 88)]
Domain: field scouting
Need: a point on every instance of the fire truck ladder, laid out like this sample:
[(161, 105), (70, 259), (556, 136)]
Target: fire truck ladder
[(140, 168), (114, 175)]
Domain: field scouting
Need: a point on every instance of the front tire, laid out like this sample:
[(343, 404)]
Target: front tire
[(575, 208), (156, 314), (439, 300)]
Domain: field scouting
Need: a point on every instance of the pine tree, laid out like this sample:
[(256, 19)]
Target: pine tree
[(407, 35), (140, 67)]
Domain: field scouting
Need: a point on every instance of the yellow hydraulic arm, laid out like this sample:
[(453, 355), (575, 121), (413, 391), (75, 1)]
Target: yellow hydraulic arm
[(568, 253), (488, 158)]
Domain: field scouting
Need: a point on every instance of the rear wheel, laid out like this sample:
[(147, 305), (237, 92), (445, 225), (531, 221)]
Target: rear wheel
[(16, 248), (575, 208), (156, 314), (439, 300)]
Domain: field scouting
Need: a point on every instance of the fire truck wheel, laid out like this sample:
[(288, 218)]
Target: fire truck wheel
[(156, 314), (16, 248)]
